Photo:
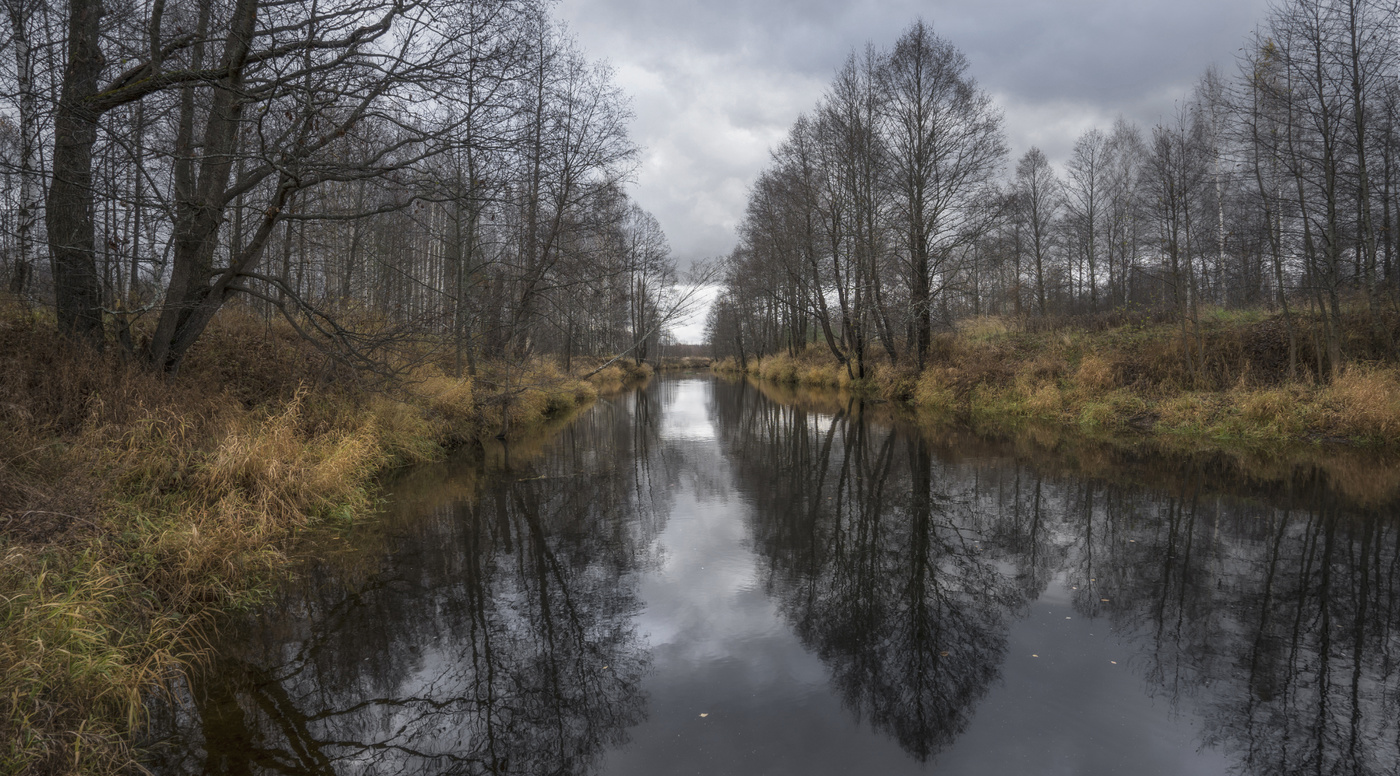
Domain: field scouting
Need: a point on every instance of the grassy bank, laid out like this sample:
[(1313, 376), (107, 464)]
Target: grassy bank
[(1133, 379), (1364, 476), (133, 508)]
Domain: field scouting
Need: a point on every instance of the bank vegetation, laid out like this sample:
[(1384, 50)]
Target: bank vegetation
[(253, 253), (135, 509), (1232, 272), (1127, 380)]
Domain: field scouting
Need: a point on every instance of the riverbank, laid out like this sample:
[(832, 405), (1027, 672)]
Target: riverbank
[(1365, 476), (134, 508), (1132, 379)]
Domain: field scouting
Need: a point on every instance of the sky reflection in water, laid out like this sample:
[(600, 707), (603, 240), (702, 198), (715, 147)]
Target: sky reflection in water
[(700, 579)]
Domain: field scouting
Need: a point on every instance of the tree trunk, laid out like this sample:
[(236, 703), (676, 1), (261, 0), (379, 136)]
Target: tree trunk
[(30, 188), (202, 203), (69, 215)]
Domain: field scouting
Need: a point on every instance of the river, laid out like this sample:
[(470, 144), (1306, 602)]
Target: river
[(706, 577)]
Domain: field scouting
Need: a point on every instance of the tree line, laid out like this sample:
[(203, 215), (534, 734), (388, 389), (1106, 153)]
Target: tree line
[(889, 212), (368, 170)]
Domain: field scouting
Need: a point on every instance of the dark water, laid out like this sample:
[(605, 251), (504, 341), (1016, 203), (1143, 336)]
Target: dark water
[(700, 579)]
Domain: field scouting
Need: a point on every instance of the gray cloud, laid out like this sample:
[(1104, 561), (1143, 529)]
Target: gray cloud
[(716, 84)]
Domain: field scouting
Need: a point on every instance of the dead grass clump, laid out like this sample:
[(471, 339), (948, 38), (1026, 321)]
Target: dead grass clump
[(727, 365), (822, 375), (1111, 411), (65, 638), (1155, 364), (1046, 401), (608, 378), (1276, 411), (1098, 415), (447, 399), (579, 393), (632, 371), (1365, 402), (780, 368), (934, 392), (895, 381), (984, 327), (1190, 413), (1046, 366), (944, 349), (514, 396), (1095, 374)]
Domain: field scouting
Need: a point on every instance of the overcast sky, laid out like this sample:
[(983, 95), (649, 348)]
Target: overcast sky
[(716, 83)]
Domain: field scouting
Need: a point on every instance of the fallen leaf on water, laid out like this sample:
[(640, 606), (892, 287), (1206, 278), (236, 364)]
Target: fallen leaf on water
[(1035, 655), (704, 713), (1115, 662), (1105, 600), (1066, 618), (942, 654)]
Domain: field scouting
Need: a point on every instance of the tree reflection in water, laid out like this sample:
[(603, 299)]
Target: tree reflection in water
[(880, 563), (903, 566), (497, 638), (496, 634)]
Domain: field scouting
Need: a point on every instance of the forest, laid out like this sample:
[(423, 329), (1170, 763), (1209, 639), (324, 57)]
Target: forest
[(893, 214), (369, 172)]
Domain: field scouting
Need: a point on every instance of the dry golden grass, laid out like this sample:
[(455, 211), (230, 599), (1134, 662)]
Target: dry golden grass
[(821, 375), (894, 381), (780, 368), (934, 391), (512, 396), (133, 507), (1365, 402), (1096, 374), (446, 398), (985, 327), (1046, 401), (1276, 410), (1132, 375)]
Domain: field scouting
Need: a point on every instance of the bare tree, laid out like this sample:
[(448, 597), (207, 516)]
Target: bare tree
[(1039, 199), (945, 147), (23, 30), (1084, 200)]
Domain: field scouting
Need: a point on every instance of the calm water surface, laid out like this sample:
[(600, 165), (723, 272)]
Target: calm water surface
[(700, 579)]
